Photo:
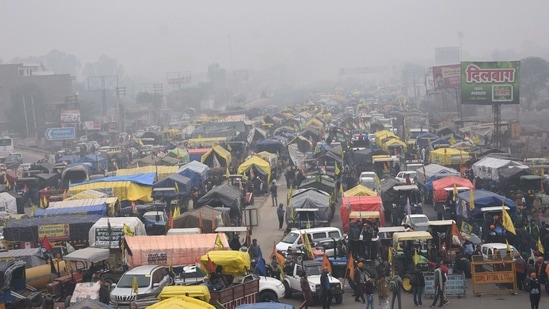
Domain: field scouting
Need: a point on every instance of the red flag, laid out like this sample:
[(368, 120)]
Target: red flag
[(211, 266), (46, 244)]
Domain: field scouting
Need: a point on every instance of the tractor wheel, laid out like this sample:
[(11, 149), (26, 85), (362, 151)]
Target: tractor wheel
[(407, 283), (400, 267)]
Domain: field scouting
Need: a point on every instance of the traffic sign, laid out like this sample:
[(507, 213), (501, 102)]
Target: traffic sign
[(59, 134)]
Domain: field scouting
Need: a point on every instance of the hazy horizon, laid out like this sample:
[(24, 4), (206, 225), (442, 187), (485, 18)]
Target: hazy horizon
[(311, 38)]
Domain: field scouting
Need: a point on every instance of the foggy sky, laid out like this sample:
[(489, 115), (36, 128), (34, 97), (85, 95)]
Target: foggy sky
[(150, 38)]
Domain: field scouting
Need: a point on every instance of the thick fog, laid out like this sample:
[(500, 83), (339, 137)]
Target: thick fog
[(310, 38)]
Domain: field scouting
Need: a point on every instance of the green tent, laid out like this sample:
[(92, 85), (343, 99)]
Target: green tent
[(179, 154)]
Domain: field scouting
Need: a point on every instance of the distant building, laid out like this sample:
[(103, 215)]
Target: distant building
[(37, 93)]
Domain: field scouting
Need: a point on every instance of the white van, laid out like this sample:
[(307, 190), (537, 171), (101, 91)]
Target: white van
[(184, 231), (293, 238)]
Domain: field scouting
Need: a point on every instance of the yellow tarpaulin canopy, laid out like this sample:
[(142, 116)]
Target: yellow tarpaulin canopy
[(200, 292), (161, 171), (360, 190), (259, 163), (266, 155), (448, 156), (219, 151), (181, 302), (392, 142), (88, 194), (123, 190), (233, 262), (383, 134)]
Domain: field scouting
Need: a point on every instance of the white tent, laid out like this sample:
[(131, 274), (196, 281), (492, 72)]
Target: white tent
[(8, 204), (489, 168), (103, 236)]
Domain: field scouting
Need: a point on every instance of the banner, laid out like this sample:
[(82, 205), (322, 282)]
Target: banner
[(69, 115), (487, 83), (54, 232), (447, 76)]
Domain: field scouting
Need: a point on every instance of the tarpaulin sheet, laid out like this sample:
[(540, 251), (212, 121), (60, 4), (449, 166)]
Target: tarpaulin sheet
[(360, 203), (217, 157), (170, 249), (258, 163), (448, 182), (360, 190), (100, 210), (184, 186), (123, 190), (146, 179), (162, 171), (111, 202), (483, 198)]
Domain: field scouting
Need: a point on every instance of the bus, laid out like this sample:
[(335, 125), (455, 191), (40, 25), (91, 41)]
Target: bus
[(6, 147)]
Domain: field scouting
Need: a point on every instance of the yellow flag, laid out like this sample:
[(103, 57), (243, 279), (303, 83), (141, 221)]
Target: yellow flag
[(455, 193), (416, 257), (471, 200), (337, 171), (227, 174), (127, 230), (340, 188), (176, 187), (33, 213), (540, 247), (135, 286), (506, 219), (176, 212), (390, 256), (508, 247), (218, 242)]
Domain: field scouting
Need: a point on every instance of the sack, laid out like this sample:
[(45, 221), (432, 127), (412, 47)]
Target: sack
[(534, 291)]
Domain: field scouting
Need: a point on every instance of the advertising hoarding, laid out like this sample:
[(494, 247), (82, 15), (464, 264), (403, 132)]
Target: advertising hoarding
[(487, 83), (70, 115), (447, 76)]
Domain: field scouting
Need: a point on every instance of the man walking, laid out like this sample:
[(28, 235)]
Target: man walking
[(438, 284), (326, 289), (396, 284), (369, 288), (383, 292), (280, 215), (273, 188), (306, 290), (418, 283)]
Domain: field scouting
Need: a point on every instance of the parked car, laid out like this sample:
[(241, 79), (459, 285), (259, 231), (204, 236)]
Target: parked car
[(14, 160), (490, 249), (418, 222), (401, 176), (150, 281)]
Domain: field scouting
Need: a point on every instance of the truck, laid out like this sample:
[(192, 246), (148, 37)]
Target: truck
[(313, 270)]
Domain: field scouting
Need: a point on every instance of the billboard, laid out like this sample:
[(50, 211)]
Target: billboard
[(447, 76), (70, 115), (487, 83)]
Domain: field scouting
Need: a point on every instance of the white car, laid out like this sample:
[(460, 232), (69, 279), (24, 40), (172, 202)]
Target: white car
[(401, 176), (490, 249), (150, 280)]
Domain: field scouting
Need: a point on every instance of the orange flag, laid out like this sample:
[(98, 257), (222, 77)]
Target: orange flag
[(351, 267), (326, 263)]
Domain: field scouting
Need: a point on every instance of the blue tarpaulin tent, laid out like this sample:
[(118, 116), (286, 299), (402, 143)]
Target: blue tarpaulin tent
[(100, 210), (184, 185), (97, 162), (484, 198), (271, 145)]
